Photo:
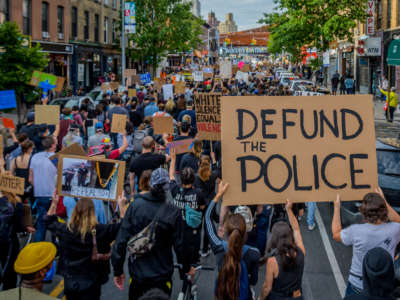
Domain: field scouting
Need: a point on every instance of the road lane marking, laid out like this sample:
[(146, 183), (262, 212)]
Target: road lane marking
[(331, 255), (58, 289)]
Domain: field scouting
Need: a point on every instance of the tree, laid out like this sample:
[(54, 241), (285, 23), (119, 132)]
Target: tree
[(17, 63), (162, 27), (312, 23)]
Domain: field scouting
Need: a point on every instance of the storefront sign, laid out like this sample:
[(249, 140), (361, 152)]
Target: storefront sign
[(373, 47), (130, 17), (371, 17)]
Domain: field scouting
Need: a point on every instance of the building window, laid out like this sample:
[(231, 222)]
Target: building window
[(5, 9), (114, 4), (379, 15), (60, 19), (74, 22), (114, 30), (86, 27), (96, 27), (105, 30), (106, 2), (389, 13), (45, 17), (26, 16)]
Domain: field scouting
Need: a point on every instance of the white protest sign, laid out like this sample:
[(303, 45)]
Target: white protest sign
[(242, 76), (225, 69), (168, 91), (198, 76)]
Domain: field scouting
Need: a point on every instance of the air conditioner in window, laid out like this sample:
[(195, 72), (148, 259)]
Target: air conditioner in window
[(61, 36), (45, 35)]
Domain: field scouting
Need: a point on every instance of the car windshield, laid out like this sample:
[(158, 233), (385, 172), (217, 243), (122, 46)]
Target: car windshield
[(71, 103), (388, 162), (94, 94)]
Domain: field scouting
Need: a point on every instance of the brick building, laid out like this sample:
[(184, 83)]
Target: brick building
[(46, 23), (95, 36)]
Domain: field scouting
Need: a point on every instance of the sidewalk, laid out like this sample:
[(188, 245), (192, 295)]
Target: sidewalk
[(383, 128)]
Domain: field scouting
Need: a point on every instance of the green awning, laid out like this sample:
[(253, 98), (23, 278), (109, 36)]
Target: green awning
[(393, 58)]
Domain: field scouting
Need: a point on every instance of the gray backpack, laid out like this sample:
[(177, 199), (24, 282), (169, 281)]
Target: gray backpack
[(138, 137)]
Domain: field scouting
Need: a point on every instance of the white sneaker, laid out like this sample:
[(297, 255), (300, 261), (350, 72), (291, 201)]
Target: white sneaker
[(311, 227)]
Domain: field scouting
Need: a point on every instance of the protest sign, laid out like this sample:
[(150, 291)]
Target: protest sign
[(114, 85), (163, 125), (90, 177), (131, 93), (12, 184), (51, 81), (47, 114), (208, 116), (198, 76), (135, 79), (181, 146), (225, 69), (168, 91), (118, 123), (301, 148), (74, 149), (242, 76), (246, 68), (8, 123), (145, 78), (207, 70), (235, 69), (7, 99), (180, 87), (129, 72), (207, 75)]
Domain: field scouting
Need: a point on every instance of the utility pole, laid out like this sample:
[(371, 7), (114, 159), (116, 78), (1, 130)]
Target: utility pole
[(123, 58)]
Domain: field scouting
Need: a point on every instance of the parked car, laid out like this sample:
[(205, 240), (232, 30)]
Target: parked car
[(73, 101), (97, 93), (388, 158), (286, 80)]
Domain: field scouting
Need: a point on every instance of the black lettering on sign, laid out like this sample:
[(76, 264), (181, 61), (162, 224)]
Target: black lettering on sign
[(241, 135), (323, 171), (243, 172), (266, 122), (354, 171), (345, 134), (289, 176), (285, 122), (297, 187), (302, 127), (333, 127)]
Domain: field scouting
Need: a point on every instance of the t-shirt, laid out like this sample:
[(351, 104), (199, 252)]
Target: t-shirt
[(182, 196), (44, 174), (364, 237), (146, 161)]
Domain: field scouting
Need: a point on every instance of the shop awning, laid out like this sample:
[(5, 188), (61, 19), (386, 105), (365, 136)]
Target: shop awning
[(393, 58)]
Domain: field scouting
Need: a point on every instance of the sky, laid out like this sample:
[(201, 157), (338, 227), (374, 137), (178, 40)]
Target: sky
[(246, 13)]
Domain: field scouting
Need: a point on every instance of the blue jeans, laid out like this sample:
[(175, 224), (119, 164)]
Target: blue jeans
[(310, 213), (352, 290), (42, 206)]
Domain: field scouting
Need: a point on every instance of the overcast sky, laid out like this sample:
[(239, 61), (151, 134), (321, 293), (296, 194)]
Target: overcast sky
[(246, 13)]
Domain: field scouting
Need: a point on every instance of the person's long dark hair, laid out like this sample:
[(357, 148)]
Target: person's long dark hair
[(282, 240), (228, 277)]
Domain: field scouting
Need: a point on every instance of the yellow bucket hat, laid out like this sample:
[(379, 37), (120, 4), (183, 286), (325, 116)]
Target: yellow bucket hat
[(34, 257)]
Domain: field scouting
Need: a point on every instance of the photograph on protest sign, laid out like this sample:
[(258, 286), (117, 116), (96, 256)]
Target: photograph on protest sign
[(163, 125), (47, 114), (208, 115), (90, 177), (302, 148)]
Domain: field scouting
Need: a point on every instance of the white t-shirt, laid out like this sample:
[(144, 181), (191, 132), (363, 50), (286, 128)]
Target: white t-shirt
[(364, 237)]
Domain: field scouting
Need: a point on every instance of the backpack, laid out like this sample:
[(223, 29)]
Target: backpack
[(244, 286), (6, 214), (138, 137)]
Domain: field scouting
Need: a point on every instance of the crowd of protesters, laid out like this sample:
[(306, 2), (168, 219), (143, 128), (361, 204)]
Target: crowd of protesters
[(170, 205)]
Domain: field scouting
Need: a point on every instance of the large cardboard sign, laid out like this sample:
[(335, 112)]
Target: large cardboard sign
[(12, 184), (301, 148), (118, 123), (129, 72), (181, 146), (180, 87), (163, 125), (90, 177), (225, 69), (47, 81), (131, 93), (47, 114), (208, 116)]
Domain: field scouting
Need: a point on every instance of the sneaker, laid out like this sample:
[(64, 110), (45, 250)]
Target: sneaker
[(311, 227)]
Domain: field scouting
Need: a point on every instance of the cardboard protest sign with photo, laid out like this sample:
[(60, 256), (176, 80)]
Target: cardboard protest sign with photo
[(163, 125), (90, 177), (301, 148), (198, 76), (180, 87), (118, 123), (225, 69), (181, 146), (52, 82), (208, 115), (47, 114), (8, 123), (12, 184), (7, 99)]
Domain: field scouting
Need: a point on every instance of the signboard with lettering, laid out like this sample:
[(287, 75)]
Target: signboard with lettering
[(371, 17), (12, 184), (208, 116), (301, 148)]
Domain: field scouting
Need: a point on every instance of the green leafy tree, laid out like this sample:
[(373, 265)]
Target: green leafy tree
[(162, 27), (312, 23), (17, 63)]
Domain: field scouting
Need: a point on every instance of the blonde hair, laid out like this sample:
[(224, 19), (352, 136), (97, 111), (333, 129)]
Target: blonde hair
[(170, 106), (187, 118), (197, 148), (83, 219)]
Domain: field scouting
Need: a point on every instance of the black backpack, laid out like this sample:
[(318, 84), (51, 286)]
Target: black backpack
[(6, 214)]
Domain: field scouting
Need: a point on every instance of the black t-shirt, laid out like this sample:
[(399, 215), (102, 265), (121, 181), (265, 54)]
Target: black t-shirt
[(135, 118), (182, 196), (146, 161)]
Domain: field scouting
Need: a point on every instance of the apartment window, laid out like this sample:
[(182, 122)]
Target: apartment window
[(114, 4), (105, 30), (389, 13), (379, 15), (114, 30), (106, 2), (45, 17), (86, 27), (96, 27), (26, 16), (60, 19), (5, 9), (74, 22)]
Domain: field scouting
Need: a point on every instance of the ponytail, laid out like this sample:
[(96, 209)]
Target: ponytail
[(204, 169), (228, 277)]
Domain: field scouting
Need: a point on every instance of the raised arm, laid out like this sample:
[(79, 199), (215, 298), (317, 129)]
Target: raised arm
[(172, 165), (124, 144), (295, 226), (336, 221)]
